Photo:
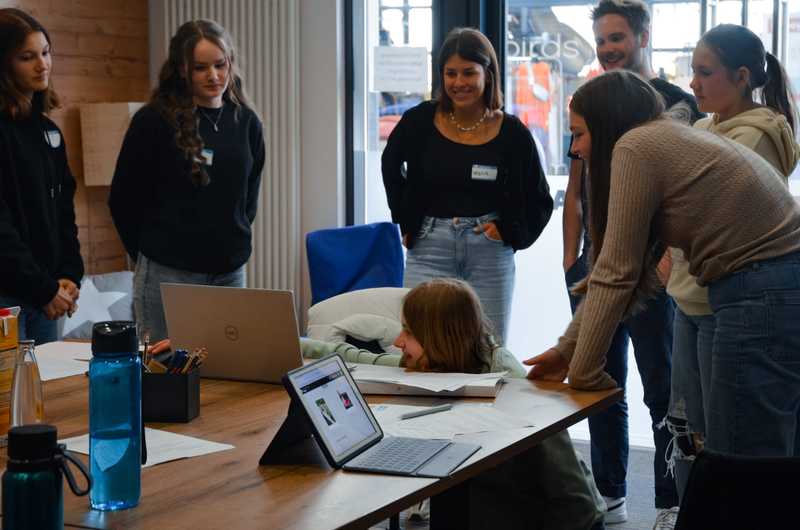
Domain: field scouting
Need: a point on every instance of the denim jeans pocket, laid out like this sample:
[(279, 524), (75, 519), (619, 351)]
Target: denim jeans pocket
[(783, 307), (496, 241), (426, 228)]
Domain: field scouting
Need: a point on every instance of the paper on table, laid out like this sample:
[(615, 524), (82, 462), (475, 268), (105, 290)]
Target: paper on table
[(433, 381), (467, 418), (162, 446), (81, 351), (62, 359)]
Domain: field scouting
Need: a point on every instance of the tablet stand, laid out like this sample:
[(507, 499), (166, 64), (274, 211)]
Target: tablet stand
[(293, 443)]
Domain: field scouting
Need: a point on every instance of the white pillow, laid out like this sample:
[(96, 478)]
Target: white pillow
[(362, 327), (367, 314)]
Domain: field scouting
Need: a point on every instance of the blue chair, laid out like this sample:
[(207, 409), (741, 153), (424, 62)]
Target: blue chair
[(352, 258)]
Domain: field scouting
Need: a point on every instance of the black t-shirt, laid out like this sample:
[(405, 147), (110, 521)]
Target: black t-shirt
[(463, 180)]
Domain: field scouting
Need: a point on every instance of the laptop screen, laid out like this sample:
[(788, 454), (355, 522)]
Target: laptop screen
[(332, 401)]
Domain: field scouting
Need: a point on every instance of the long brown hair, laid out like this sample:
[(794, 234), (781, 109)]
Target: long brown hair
[(15, 26), (471, 45), (446, 318), (613, 104), (173, 96), (737, 47)]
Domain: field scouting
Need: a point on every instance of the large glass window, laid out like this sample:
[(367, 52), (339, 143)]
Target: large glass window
[(382, 23)]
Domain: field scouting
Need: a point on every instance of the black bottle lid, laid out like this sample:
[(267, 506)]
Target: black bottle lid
[(32, 442), (114, 338)]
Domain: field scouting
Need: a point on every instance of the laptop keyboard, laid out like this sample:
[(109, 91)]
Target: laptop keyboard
[(398, 455)]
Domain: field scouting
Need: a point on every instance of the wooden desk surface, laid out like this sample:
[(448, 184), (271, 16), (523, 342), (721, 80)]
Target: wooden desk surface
[(230, 490)]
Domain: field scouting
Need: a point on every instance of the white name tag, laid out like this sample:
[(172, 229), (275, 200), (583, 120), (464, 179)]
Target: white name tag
[(208, 156), (53, 138), (480, 172)]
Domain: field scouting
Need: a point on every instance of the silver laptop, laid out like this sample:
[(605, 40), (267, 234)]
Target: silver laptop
[(250, 334)]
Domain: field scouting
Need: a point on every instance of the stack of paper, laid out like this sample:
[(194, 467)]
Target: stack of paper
[(463, 418), (373, 379)]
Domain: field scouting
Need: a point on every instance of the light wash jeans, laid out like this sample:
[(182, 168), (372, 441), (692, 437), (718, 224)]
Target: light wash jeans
[(32, 322), (691, 368), (754, 407), (147, 305), (450, 248)]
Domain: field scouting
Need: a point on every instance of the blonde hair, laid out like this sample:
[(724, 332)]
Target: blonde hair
[(446, 318)]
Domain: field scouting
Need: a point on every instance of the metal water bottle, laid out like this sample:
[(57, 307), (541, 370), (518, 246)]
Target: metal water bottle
[(115, 416)]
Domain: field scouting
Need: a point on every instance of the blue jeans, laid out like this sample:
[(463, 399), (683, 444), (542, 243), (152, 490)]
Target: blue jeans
[(32, 322), (691, 368), (450, 248), (147, 305), (651, 333), (754, 407)]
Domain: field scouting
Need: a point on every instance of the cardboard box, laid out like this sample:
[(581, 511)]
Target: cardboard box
[(9, 342)]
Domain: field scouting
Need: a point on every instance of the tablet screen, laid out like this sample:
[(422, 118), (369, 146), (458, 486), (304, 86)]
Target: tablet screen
[(337, 409)]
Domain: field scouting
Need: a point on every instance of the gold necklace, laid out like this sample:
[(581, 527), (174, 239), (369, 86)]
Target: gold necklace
[(472, 127)]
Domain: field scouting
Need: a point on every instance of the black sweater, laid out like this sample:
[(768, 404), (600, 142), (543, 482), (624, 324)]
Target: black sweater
[(524, 202), (38, 237), (159, 212)]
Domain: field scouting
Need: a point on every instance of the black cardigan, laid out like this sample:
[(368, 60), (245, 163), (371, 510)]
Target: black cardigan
[(38, 236), (526, 204)]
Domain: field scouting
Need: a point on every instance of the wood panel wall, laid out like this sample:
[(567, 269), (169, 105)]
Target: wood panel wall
[(100, 54)]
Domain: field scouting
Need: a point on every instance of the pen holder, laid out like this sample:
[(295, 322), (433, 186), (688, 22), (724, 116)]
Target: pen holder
[(170, 398)]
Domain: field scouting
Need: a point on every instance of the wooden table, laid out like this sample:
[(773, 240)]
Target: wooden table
[(230, 490)]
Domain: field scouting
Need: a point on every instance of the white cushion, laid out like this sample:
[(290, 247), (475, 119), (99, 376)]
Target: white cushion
[(367, 314)]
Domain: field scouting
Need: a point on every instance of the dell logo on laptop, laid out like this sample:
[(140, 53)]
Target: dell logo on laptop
[(231, 333)]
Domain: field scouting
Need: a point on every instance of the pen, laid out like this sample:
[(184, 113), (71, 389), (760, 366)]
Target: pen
[(425, 412)]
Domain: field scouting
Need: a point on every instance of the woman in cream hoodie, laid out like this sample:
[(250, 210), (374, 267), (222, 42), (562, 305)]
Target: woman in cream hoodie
[(729, 63)]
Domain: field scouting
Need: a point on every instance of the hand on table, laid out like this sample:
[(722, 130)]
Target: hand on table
[(548, 366)]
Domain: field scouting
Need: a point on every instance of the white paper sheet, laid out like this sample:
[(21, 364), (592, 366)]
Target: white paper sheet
[(466, 418), (63, 359), (433, 381), (162, 446)]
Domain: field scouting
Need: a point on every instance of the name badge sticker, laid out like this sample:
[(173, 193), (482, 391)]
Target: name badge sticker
[(53, 138), (487, 173), (208, 156)]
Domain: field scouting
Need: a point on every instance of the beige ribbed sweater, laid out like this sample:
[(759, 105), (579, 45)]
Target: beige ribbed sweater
[(717, 201), (766, 133)]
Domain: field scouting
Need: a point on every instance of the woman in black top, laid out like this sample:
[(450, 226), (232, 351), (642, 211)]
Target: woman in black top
[(463, 179), (40, 261), (185, 190)]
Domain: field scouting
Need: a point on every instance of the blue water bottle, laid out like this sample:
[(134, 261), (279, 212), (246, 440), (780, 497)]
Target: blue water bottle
[(115, 416)]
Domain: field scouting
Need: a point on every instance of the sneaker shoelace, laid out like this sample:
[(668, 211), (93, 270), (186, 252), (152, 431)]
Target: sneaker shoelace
[(666, 519)]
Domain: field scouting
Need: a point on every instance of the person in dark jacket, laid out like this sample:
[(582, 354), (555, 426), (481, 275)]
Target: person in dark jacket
[(40, 261), (464, 181), (185, 189)]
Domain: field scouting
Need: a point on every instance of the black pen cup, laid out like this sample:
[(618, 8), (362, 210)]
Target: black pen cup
[(170, 398)]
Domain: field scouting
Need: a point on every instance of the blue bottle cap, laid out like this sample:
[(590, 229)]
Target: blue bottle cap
[(113, 338)]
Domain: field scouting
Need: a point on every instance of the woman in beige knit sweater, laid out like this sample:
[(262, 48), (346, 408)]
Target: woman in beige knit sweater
[(657, 183), (729, 62)]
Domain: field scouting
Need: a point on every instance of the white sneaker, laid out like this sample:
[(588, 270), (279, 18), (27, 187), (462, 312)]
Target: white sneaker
[(666, 518), (616, 511)]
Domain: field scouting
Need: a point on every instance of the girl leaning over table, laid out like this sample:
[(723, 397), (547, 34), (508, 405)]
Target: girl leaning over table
[(463, 179), (656, 182), (185, 190), (444, 329), (40, 261)]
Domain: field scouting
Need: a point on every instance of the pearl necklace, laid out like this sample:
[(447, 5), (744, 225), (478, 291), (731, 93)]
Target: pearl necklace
[(472, 127)]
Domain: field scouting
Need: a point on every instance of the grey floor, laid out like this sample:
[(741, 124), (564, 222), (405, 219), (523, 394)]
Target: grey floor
[(641, 512)]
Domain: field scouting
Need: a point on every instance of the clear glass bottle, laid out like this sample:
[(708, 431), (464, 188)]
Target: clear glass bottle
[(27, 403), (115, 416)]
